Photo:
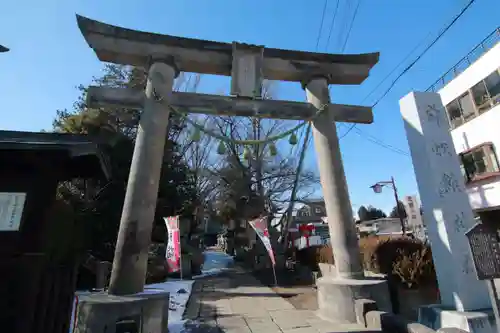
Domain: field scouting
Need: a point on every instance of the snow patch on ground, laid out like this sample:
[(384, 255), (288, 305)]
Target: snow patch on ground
[(215, 263), (179, 290)]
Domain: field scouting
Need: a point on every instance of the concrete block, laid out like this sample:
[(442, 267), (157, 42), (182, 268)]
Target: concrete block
[(315, 277), (327, 270), (103, 269), (389, 322), (373, 319), (450, 330), (362, 307), (438, 316), (418, 328), (104, 313), (336, 297)]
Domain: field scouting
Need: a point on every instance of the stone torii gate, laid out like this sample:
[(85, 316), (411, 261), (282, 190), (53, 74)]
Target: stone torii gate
[(164, 57)]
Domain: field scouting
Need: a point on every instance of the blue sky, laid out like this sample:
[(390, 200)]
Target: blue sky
[(49, 58)]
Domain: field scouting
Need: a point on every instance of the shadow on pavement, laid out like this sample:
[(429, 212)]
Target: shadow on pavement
[(203, 316)]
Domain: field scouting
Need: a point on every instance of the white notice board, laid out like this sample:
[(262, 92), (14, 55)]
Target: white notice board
[(11, 210)]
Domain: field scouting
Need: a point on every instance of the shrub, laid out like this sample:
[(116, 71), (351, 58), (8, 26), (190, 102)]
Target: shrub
[(307, 257), (367, 248), (311, 256), (414, 269), (324, 254), (407, 260)]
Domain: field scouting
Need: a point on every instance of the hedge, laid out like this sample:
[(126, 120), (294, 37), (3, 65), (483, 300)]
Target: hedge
[(405, 260)]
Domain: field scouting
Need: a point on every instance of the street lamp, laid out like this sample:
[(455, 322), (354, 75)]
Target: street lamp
[(3, 49), (377, 188)]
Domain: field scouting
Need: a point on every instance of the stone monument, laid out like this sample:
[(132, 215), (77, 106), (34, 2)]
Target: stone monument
[(448, 216)]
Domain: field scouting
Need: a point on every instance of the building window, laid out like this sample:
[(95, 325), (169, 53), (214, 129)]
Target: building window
[(467, 107), (479, 162), (461, 110), (304, 212), (317, 210), (487, 92), (454, 114), (493, 86), (481, 97)]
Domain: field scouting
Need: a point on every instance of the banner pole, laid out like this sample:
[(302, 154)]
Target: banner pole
[(260, 227), (179, 244), (275, 279), (180, 259)]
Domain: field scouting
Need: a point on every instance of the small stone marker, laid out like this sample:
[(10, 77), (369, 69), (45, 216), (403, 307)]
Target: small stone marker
[(484, 241), (485, 248)]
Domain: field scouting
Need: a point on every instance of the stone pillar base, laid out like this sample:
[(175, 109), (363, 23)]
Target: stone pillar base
[(437, 316), (104, 313), (336, 297)]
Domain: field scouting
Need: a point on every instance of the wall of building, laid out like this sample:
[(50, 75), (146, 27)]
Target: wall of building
[(484, 128), (472, 75)]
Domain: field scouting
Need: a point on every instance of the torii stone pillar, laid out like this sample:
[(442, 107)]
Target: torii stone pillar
[(337, 294), (130, 262), (338, 206)]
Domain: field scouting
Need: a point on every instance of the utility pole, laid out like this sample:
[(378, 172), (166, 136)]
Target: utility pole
[(377, 188)]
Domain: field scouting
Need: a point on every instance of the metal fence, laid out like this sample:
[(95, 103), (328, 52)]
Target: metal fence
[(480, 49)]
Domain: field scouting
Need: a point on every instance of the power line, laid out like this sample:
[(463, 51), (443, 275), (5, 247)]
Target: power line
[(331, 25), (345, 43), (379, 142), (374, 140), (343, 19), (352, 126), (447, 27), (348, 131), (425, 50), (298, 170), (343, 48), (350, 26), (321, 24), (396, 67)]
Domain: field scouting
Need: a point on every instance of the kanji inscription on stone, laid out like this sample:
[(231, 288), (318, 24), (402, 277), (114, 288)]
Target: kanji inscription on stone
[(434, 114), (484, 242)]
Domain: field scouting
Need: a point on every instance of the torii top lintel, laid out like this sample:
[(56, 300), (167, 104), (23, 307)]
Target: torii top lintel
[(131, 47)]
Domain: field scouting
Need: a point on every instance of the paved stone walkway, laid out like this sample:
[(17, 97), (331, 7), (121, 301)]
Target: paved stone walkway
[(236, 302)]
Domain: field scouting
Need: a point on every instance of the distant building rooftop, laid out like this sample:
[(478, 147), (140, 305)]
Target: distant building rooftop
[(313, 201), (382, 226), (476, 53)]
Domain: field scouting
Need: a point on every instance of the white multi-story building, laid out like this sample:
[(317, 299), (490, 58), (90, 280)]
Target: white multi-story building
[(471, 93)]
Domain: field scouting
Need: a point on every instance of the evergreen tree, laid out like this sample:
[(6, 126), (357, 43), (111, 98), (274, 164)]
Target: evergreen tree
[(100, 203)]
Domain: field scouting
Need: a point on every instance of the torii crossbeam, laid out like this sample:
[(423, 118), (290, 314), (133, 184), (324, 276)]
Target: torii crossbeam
[(228, 106), (248, 65)]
